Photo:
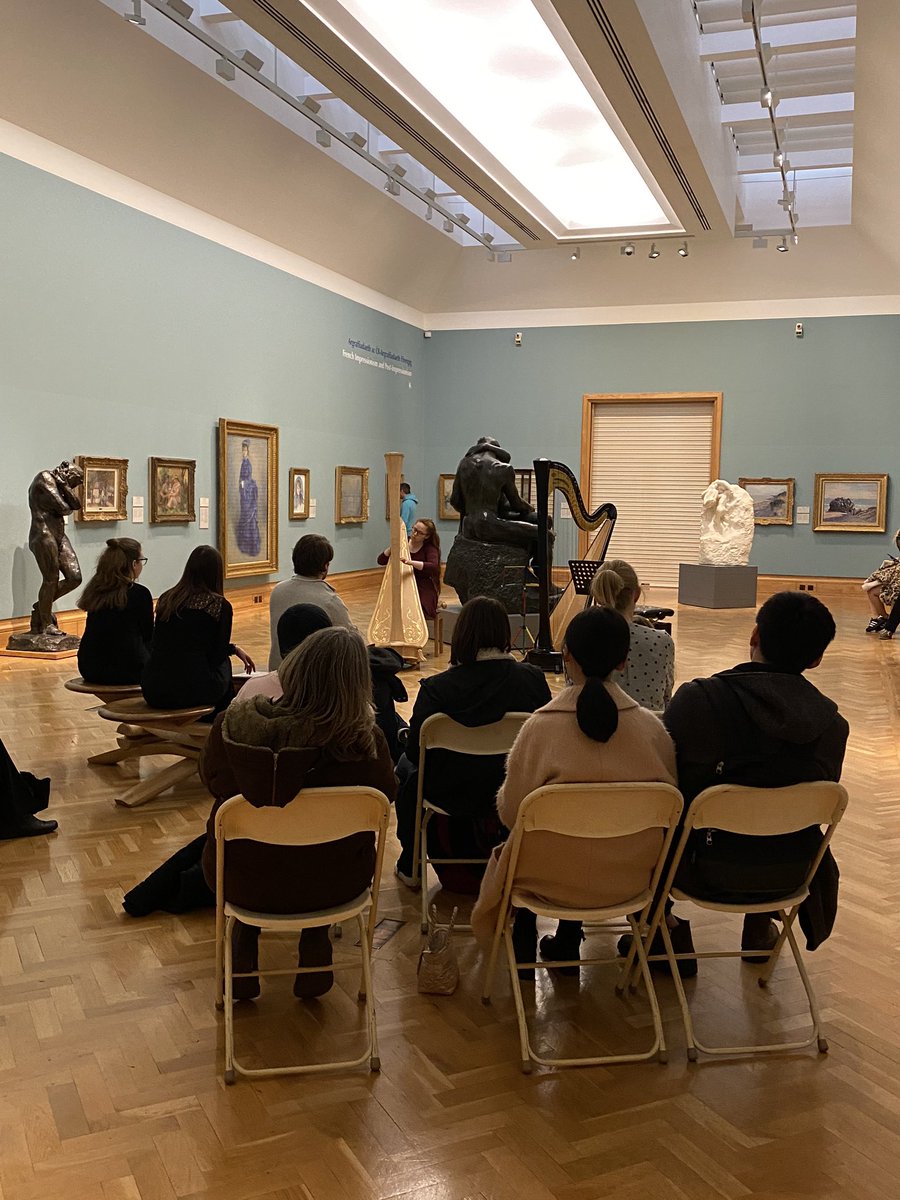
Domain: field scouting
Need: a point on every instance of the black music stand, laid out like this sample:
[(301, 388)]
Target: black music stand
[(582, 571), (525, 636)]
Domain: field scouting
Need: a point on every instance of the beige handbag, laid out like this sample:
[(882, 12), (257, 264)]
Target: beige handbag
[(438, 970)]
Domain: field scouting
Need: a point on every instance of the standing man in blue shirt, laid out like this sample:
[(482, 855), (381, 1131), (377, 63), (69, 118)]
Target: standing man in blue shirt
[(408, 505)]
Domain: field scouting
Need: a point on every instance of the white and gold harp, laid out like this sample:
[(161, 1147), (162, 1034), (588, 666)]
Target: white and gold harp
[(398, 620)]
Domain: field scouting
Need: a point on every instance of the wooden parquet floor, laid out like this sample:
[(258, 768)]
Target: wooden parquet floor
[(110, 1077)]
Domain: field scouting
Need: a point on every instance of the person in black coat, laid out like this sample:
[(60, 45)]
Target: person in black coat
[(484, 683), (762, 724), (21, 796), (115, 645)]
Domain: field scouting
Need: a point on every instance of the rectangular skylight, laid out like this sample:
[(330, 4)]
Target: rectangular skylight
[(495, 66)]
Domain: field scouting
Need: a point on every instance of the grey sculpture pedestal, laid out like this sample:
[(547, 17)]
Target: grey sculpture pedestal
[(706, 586)]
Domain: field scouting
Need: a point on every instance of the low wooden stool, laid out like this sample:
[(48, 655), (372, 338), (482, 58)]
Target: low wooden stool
[(144, 730), (108, 693)]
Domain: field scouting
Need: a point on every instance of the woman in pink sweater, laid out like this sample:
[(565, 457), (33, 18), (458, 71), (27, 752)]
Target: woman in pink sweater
[(590, 733)]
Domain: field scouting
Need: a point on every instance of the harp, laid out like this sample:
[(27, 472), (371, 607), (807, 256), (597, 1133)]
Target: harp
[(560, 508), (398, 620)]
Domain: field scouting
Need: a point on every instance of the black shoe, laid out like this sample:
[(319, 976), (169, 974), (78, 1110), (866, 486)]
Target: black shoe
[(558, 948), (27, 826), (682, 943), (876, 625), (245, 957), (315, 951), (524, 937), (759, 933)]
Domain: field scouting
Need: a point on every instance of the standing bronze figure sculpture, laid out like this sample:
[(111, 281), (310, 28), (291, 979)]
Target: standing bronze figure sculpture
[(51, 498)]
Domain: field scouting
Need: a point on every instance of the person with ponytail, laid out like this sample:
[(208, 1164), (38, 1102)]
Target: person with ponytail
[(591, 732), (649, 672), (115, 645)]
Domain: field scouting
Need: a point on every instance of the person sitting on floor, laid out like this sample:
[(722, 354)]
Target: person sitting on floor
[(115, 645), (21, 796), (189, 659), (483, 684), (590, 733), (312, 557), (649, 672), (762, 724), (321, 733)]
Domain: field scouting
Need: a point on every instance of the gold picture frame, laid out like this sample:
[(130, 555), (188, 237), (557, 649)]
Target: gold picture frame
[(248, 497), (104, 491), (171, 491), (351, 495), (850, 503), (298, 495), (773, 500), (446, 511)]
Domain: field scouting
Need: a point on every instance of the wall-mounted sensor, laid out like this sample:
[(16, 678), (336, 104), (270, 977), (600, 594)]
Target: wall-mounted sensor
[(798, 329), (518, 339), (427, 333)]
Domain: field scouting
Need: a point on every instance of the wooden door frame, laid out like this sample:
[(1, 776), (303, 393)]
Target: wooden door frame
[(587, 420)]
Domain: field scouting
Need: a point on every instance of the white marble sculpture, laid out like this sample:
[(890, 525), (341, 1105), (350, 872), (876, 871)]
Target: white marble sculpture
[(726, 525)]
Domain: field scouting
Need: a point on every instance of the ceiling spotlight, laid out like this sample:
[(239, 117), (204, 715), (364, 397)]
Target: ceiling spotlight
[(795, 238), (135, 17), (448, 226), (308, 102), (760, 243), (398, 170), (183, 9), (492, 257), (323, 137), (504, 257), (392, 187), (654, 253), (225, 69), (576, 254), (782, 246), (429, 212), (767, 98), (488, 237), (357, 140), (627, 249), (683, 249), (253, 61), (462, 218), (778, 158), (430, 193)]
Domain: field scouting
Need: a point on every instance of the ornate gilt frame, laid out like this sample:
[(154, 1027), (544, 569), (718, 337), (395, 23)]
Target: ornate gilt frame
[(294, 516), (339, 517), (788, 518), (161, 518), (87, 463), (242, 429), (880, 481)]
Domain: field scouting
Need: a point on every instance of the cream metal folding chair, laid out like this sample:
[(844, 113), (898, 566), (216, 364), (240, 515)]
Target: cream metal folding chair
[(755, 812), (314, 816), (440, 732), (588, 811)]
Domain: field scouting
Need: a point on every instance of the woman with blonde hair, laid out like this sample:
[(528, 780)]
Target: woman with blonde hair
[(649, 673), (321, 733), (115, 645), (425, 560)]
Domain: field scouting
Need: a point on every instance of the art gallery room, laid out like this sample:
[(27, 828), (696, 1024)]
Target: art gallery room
[(374, 375)]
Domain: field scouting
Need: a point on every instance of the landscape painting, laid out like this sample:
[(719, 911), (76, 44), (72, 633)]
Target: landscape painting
[(773, 500), (852, 503)]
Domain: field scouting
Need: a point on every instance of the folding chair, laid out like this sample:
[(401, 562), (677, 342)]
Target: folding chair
[(314, 816), (755, 812), (587, 811), (440, 732)]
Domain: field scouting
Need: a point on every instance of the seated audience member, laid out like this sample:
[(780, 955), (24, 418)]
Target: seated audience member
[(189, 658), (321, 733), (761, 724), (649, 672), (882, 590), (590, 733), (294, 625), (483, 684), (312, 556), (425, 560), (115, 645), (21, 796)]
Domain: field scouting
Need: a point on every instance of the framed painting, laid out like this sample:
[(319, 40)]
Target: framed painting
[(853, 503), (105, 489), (773, 500), (446, 511), (248, 498), (351, 495), (172, 491), (299, 493)]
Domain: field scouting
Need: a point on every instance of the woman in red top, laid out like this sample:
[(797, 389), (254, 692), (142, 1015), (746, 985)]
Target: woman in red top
[(425, 560)]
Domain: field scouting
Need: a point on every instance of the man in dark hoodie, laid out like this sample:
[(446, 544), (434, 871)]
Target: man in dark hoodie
[(761, 724)]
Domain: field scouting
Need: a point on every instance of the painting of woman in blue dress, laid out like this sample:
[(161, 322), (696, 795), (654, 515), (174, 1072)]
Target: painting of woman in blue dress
[(247, 529)]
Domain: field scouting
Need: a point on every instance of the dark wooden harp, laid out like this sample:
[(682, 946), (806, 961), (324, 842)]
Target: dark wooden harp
[(549, 477)]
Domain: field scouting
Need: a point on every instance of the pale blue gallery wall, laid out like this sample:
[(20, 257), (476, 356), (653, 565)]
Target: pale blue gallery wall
[(126, 337), (792, 407)]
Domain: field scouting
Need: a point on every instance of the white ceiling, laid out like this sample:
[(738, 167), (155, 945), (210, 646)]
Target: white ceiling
[(75, 73)]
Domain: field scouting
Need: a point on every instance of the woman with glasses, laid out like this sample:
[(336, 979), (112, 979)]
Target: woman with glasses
[(425, 560), (115, 645)]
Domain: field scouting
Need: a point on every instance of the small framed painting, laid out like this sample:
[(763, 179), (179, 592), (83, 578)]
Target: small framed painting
[(248, 498), (172, 490), (773, 500), (351, 495), (853, 503), (105, 489), (299, 506), (446, 511)]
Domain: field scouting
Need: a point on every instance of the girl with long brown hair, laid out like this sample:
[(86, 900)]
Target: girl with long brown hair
[(425, 560), (115, 645)]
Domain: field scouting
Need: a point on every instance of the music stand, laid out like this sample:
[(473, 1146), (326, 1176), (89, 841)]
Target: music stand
[(582, 571), (525, 634)]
